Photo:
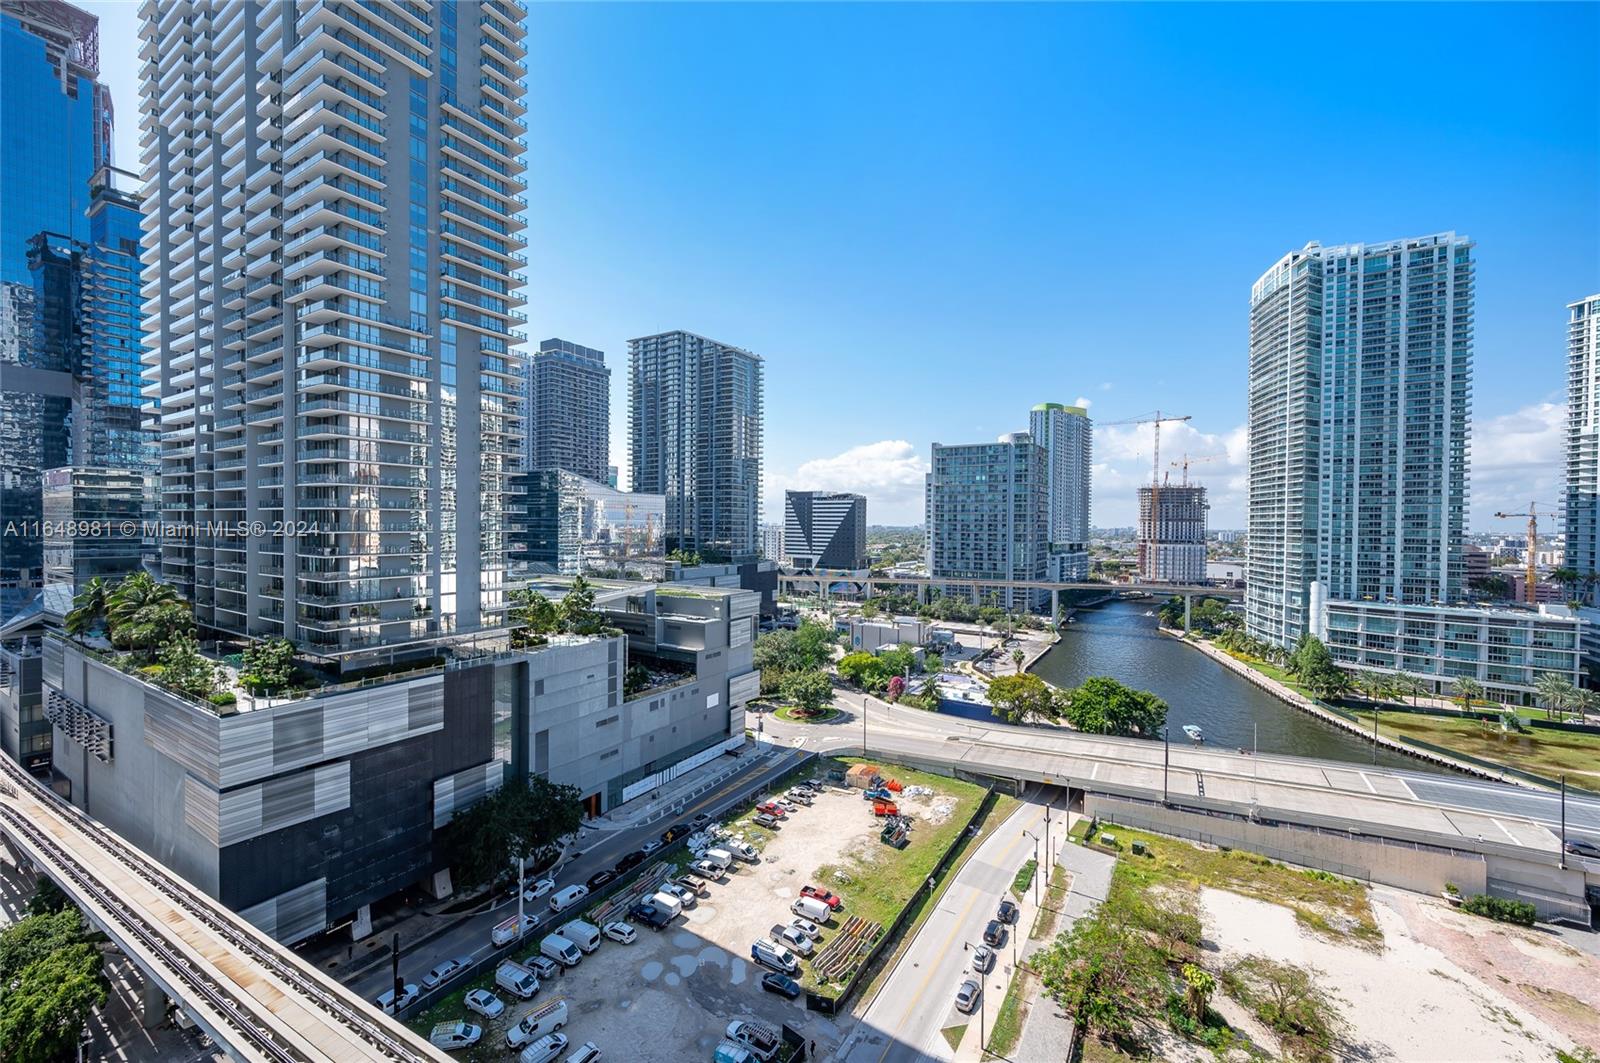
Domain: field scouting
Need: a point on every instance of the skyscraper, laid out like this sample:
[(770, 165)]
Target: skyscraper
[(1066, 434), (332, 240), (57, 120), (1172, 534), (1583, 437), (825, 529), (988, 516), (1360, 395), (695, 409), (569, 410)]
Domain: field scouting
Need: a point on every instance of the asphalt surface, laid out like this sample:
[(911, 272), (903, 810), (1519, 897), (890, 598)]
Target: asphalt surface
[(470, 938)]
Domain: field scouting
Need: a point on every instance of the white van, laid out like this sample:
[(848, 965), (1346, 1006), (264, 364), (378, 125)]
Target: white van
[(758, 1037), (545, 1049), (516, 979), (564, 899), (744, 851), (588, 1052), (584, 935), (508, 930), (769, 953), (538, 1023), (454, 1036), (561, 950), (721, 857), (666, 902), (812, 909)]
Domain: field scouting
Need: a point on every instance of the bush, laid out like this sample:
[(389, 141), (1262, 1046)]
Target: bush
[(223, 699), (1500, 910)]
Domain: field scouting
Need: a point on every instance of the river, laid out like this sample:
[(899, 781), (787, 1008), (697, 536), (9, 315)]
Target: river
[(1118, 640)]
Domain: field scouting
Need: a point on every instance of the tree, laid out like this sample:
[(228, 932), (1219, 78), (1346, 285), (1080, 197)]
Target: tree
[(1021, 698), (48, 899), (88, 608), (143, 613), (1105, 971), (1468, 691), (1491, 586), (578, 614), (1313, 666), (523, 818), (267, 665), (1554, 692), (810, 691), (1017, 657), (864, 670), (50, 980), (183, 667), (1101, 705), (533, 617), (1568, 578), (813, 645), (1290, 1001), (1198, 986), (896, 689)]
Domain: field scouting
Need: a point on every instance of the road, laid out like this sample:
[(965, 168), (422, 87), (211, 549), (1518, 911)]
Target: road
[(470, 938), (917, 1000), (1407, 801)]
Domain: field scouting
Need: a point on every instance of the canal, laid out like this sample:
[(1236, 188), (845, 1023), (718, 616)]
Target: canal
[(1118, 640)]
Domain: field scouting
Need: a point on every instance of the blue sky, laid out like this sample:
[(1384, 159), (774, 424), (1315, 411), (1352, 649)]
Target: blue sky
[(929, 218)]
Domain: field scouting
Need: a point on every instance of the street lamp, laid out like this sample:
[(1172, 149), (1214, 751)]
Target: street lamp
[(1166, 761), (864, 724)]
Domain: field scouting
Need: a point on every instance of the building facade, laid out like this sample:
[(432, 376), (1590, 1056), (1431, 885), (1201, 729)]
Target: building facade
[(331, 256), (94, 524), (571, 525), (772, 543), (695, 409), (1067, 436), (1172, 534), (987, 517), (1360, 399), (1583, 439), (569, 410), (825, 529)]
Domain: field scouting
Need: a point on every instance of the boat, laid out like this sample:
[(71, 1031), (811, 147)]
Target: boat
[(1149, 612), (1194, 733)]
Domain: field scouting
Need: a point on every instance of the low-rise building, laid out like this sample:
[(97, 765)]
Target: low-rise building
[(1504, 649), (871, 635)]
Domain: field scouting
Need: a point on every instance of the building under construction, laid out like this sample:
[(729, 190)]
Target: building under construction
[(1172, 534)]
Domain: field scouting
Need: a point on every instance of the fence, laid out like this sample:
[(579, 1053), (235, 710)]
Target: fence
[(831, 1005)]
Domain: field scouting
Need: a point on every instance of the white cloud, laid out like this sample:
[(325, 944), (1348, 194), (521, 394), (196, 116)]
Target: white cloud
[(1124, 456), (889, 473), (1517, 458), (1081, 401)]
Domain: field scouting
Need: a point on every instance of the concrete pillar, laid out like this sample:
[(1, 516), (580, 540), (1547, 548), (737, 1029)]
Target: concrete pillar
[(868, 586), (1055, 607), (154, 1010), (361, 925), (922, 594), (1188, 605)]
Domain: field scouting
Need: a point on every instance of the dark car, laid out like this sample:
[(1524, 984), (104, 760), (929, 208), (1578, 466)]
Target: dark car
[(995, 933), (1008, 912), (600, 878), (1583, 848), (774, 982), (650, 915), (674, 832), (629, 862)]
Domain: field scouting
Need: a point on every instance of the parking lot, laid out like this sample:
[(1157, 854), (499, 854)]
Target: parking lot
[(670, 995)]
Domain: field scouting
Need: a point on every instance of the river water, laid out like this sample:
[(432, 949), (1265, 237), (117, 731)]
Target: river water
[(1118, 640)]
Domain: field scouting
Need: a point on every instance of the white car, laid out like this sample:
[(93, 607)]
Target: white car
[(807, 927), (684, 894), (795, 939), (650, 846), (389, 1005), (538, 889), (982, 959), (708, 869), (485, 1003), (441, 974), (620, 932)]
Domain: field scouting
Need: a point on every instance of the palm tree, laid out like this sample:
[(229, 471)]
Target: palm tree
[(143, 613), (1467, 690), (1408, 685), (1568, 578), (1554, 692), (1374, 686), (1017, 657), (88, 608)]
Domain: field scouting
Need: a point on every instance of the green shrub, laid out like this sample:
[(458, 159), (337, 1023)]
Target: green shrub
[(225, 698), (1500, 910)]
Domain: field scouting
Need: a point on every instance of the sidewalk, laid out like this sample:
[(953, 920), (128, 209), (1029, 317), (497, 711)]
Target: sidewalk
[(1047, 1033), (672, 797)]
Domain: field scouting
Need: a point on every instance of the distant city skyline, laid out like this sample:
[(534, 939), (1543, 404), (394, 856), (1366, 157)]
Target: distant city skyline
[(834, 240)]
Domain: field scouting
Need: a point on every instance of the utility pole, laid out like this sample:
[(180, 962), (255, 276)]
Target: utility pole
[(1036, 866), (1166, 761), (394, 952), (1563, 822), (864, 725)]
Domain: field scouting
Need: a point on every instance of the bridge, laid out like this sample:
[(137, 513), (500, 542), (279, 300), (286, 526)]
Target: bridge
[(253, 997), (1411, 829), (822, 577)]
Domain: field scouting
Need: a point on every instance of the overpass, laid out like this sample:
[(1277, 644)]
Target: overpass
[(253, 997), (1412, 829), (822, 577)]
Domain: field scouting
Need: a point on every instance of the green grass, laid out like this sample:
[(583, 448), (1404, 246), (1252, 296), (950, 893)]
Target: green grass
[(1044, 924), (1007, 1030), (491, 1048), (1543, 752), (1326, 904), (953, 1035), (787, 713), (1024, 879)]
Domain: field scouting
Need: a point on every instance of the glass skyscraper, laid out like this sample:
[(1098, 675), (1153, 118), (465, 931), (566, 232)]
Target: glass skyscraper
[(1583, 439), (988, 517), (333, 240), (1067, 436), (569, 409)]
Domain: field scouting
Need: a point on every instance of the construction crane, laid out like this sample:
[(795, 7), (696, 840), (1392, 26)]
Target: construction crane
[(1155, 478), (1531, 569), (1188, 461)]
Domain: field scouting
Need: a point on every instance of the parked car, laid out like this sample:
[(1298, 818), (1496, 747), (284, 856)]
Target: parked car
[(537, 1024), (982, 959), (802, 796), (629, 862), (793, 938), (650, 846), (441, 974), (454, 1036), (543, 966), (538, 889), (674, 832), (700, 821), (545, 1049), (786, 804), (600, 878), (811, 909), (995, 933), (773, 982), (762, 819), (967, 994), (689, 880), (772, 808), (588, 1052), (758, 1037), (707, 869), (807, 927), (389, 1005), (485, 1003), (620, 932), (772, 955), (685, 895), (1008, 912), (650, 916), (828, 897), (560, 902)]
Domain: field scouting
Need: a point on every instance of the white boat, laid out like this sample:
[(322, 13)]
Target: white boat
[(1149, 612), (1194, 733)]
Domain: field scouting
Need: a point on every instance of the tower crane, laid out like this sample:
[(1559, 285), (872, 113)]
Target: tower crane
[(1188, 461), (1531, 570), (1155, 477)]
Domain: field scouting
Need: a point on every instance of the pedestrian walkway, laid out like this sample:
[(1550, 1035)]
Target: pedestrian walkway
[(1047, 1033), (672, 797)]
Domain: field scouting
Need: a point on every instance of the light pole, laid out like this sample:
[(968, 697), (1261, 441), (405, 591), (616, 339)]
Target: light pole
[(1036, 866), (864, 725), (1166, 761), (1563, 857)]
